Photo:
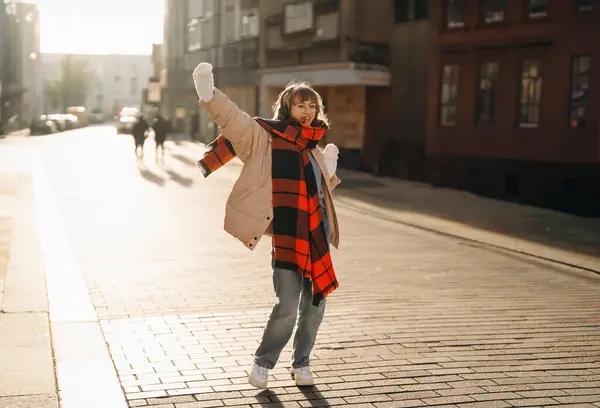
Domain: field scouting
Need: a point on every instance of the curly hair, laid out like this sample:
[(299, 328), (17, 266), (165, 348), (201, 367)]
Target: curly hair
[(298, 91)]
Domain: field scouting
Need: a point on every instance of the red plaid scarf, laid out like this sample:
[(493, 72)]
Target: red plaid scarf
[(299, 239)]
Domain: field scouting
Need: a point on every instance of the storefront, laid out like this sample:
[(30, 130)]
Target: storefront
[(343, 87)]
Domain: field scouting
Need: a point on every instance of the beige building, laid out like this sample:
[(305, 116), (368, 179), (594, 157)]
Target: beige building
[(347, 49), (223, 33), (341, 47)]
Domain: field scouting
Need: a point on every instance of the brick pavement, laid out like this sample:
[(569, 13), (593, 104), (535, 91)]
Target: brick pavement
[(541, 232), (419, 319)]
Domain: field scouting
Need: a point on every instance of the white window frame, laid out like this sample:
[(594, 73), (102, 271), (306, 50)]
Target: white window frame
[(537, 14), (249, 23)]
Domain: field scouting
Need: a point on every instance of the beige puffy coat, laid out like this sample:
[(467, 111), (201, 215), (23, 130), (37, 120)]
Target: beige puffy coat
[(249, 209)]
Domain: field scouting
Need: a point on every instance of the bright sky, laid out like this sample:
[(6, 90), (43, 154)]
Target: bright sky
[(100, 26)]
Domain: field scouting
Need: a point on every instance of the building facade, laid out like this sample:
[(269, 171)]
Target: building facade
[(398, 149), (514, 100), (341, 47), (22, 95), (116, 80), (223, 33), (179, 91), (155, 91)]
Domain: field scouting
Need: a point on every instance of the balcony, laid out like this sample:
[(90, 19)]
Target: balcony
[(371, 53), (243, 54), (304, 33)]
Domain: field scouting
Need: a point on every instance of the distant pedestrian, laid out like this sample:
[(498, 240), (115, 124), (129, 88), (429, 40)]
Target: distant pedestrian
[(194, 125), (161, 128), (139, 131), (284, 190)]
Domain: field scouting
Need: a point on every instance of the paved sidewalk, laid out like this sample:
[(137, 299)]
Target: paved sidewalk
[(548, 234), (441, 322), (419, 319), (20, 132), (27, 378)]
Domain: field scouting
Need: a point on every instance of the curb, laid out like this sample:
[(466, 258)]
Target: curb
[(471, 234)]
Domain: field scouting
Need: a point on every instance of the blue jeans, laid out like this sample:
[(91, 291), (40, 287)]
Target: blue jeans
[(294, 297), (292, 290)]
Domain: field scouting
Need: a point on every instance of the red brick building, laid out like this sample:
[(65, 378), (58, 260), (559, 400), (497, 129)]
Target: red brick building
[(514, 100)]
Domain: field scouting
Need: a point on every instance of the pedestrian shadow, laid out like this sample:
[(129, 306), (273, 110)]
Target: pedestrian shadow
[(537, 225), (269, 399), (149, 175), (184, 159), (176, 177)]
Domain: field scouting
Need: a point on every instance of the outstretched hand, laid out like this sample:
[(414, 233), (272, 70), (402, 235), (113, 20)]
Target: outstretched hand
[(204, 82)]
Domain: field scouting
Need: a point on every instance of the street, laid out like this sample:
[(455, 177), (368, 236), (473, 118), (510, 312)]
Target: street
[(420, 319)]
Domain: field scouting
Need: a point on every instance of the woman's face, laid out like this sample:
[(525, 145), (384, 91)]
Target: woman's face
[(304, 111)]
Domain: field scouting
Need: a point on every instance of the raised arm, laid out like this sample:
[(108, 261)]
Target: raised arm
[(236, 125)]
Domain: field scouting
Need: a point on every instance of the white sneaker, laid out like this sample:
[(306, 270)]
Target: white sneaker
[(303, 376), (259, 376)]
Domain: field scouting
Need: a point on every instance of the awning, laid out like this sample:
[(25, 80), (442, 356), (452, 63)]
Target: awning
[(328, 75)]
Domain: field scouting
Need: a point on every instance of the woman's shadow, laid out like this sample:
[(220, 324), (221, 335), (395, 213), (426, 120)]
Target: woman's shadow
[(269, 399)]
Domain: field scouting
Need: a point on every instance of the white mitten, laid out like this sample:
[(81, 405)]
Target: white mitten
[(331, 154), (203, 79)]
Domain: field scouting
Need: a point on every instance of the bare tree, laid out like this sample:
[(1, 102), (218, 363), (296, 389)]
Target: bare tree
[(70, 83)]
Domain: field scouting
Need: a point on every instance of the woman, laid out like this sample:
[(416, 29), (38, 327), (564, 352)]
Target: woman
[(284, 191)]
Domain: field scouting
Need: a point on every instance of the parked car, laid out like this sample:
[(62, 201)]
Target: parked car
[(96, 116), (42, 126), (125, 124), (71, 121), (58, 119), (79, 113), (126, 119)]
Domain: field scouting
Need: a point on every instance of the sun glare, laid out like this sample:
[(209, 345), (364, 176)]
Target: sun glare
[(100, 27)]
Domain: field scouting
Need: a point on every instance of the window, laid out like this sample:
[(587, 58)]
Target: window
[(402, 10), (456, 13), (449, 95), (249, 23), (230, 27), (531, 93), (200, 34), (327, 26), (231, 56), (580, 72), (493, 11), (207, 33), (421, 10), (585, 5), (298, 17), (250, 55), (538, 8), (488, 73), (274, 38), (194, 35)]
